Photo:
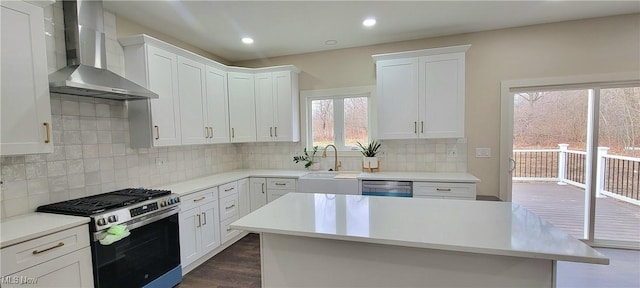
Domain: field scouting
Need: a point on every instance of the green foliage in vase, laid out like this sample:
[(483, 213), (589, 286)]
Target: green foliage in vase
[(306, 157)]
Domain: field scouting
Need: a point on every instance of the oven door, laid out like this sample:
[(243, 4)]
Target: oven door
[(148, 253)]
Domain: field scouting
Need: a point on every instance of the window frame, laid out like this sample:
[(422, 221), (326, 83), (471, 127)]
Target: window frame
[(333, 94)]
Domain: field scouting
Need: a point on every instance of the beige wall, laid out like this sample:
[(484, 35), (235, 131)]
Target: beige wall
[(594, 46)]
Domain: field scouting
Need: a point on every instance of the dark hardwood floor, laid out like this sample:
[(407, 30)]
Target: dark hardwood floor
[(236, 266)]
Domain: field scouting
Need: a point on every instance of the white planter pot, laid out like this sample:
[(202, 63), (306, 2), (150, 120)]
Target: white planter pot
[(370, 162), (315, 166)]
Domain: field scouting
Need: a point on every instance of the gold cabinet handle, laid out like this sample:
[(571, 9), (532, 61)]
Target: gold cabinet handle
[(415, 127), (204, 218), (233, 134), (422, 127), (229, 207), (227, 190), (47, 129), (281, 184), (276, 131), (211, 129), (443, 189), (36, 252), (157, 132), (270, 131), (229, 229), (206, 132), (199, 199), (199, 221), (262, 188)]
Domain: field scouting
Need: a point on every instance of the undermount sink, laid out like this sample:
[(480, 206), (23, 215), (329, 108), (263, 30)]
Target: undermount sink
[(331, 182)]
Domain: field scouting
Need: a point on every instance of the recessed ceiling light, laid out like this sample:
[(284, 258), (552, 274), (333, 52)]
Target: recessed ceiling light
[(331, 42), (247, 40), (369, 22)]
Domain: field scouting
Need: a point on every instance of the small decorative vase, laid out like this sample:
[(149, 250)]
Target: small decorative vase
[(370, 162), (315, 166)]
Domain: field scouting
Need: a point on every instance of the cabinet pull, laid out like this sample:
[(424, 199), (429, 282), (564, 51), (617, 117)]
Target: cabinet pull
[(47, 129), (36, 252), (262, 188), (276, 131), (204, 218), (270, 131), (421, 126), (227, 208), (199, 221), (415, 127), (281, 184), (227, 190), (211, 132), (233, 134), (206, 132), (443, 189), (229, 229), (199, 199), (157, 132)]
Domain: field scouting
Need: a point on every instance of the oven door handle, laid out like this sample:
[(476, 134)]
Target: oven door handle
[(136, 223)]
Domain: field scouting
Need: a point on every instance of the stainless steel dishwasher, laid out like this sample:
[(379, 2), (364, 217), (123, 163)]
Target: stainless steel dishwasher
[(387, 188)]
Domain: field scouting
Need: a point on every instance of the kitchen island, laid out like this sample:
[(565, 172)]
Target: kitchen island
[(326, 240)]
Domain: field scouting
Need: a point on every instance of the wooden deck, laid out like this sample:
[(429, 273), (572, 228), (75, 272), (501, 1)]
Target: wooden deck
[(563, 206)]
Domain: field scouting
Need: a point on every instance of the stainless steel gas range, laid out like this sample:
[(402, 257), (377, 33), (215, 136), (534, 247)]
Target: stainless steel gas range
[(146, 250)]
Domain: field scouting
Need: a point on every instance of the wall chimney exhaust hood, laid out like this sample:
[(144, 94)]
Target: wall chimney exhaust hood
[(86, 73)]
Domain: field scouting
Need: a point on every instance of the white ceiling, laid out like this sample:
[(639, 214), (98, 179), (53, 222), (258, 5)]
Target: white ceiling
[(295, 27)]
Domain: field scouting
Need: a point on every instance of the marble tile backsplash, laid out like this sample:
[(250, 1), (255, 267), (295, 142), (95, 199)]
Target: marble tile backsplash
[(397, 155)]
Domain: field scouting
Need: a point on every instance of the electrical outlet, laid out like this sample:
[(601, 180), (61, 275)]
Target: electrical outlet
[(452, 152), (483, 152), (160, 162)]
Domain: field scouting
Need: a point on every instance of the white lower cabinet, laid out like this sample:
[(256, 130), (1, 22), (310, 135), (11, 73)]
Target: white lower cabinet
[(257, 193), (62, 259), (199, 225), (444, 190), (244, 201)]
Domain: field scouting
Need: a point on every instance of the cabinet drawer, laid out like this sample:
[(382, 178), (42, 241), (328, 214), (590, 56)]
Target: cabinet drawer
[(446, 190), (281, 184), (228, 207), (198, 198), (33, 252), (227, 233), (228, 189)]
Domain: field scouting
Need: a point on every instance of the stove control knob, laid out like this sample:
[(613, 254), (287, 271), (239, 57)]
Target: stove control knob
[(163, 203), (172, 201), (178, 199), (112, 218), (102, 222)]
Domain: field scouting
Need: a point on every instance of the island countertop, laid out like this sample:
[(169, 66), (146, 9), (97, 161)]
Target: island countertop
[(484, 227)]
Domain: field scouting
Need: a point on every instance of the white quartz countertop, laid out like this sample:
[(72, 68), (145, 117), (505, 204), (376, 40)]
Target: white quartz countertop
[(485, 227), (22, 228), (198, 184), (420, 176)]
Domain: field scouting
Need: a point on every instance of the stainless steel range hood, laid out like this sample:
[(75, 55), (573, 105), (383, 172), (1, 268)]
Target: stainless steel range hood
[(86, 73)]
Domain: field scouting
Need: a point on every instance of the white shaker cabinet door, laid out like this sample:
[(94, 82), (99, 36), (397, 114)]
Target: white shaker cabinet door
[(397, 98), (165, 111), (265, 107), (217, 105), (71, 270), (210, 226), (258, 189), (25, 107), (191, 87), (244, 197), (286, 106), (442, 96), (242, 109), (190, 236)]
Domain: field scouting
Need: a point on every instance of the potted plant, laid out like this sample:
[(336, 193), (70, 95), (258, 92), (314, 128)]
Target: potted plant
[(310, 159), (370, 161)]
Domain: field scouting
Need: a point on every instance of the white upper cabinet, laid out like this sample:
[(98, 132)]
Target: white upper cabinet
[(277, 106), (203, 102), (25, 106), (217, 106), (397, 82), (421, 93), (242, 109), (193, 106), (156, 122)]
